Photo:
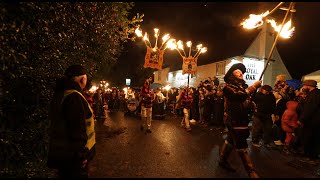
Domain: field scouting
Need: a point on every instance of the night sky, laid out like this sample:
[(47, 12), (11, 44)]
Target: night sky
[(217, 26)]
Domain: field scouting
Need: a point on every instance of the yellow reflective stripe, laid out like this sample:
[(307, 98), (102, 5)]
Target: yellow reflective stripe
[(90, 132)]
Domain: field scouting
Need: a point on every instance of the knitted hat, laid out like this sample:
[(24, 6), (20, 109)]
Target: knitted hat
[(75, 70), (239, 66)]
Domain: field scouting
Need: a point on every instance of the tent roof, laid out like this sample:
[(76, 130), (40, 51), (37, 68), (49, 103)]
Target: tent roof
[(314, 76), (313, 73)]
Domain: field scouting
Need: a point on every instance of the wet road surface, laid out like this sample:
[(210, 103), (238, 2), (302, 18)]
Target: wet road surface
[(123, 150)]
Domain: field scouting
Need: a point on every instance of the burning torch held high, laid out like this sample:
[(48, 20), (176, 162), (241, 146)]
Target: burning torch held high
[(172, 44), (146, 40), (283, 30), (154, 55), (255, 21)]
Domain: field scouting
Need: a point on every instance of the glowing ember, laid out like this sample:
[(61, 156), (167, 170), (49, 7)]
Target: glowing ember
[(286, 31), (254, 20)]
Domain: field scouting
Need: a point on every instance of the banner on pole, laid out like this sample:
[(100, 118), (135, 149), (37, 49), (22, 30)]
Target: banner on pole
[(153, 59), (189, 65)]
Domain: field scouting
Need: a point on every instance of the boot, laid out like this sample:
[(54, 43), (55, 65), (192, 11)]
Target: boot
[(225, 151), (245, 158)]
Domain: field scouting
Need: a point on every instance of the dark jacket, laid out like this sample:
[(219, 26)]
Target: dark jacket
[(280, 108), (236, 105), (67, 132), (173, 97), (266, 104), (310, 115)]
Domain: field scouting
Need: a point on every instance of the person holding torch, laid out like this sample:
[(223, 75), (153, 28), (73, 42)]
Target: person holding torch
[(186, 101), (147, 98), (236, 93)]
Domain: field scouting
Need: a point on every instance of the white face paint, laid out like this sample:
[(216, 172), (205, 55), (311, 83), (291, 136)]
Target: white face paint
[(238, 74)]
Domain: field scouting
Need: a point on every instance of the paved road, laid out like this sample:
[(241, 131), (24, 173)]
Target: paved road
[(123, 150)]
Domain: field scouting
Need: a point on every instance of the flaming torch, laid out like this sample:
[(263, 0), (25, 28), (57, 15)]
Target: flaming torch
[(284, 29), (172, 44), (154, 56), (189, 62)]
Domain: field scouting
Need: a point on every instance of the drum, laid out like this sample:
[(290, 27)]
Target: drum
[(132, 106)]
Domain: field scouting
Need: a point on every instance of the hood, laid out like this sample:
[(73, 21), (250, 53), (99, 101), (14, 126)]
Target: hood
[(292, 105)]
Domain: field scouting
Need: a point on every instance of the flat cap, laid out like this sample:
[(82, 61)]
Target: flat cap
[(310, 82)]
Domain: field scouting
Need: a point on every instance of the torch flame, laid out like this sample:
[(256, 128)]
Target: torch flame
[(199, 46), (93, 89), (286, 32), (145, 37), (166, 37), (189, 43), (180, 44), (156, 32), (138, 32), (203, 50), (254, 20), (172, 44)]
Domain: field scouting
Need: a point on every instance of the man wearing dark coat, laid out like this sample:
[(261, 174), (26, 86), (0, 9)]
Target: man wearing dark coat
[(310, 119), (262, 119), (236, 93), (71, 132)]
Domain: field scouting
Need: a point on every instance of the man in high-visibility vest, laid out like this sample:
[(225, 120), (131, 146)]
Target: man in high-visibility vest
[(71, 133)]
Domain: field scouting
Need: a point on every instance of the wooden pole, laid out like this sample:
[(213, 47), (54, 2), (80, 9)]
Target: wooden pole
[(276, 40), (188, 87), (275, 8)]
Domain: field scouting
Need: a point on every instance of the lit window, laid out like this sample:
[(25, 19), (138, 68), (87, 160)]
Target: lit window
[(221, 66)]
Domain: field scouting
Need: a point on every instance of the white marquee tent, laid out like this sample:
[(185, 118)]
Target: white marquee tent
[(314, 76)]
